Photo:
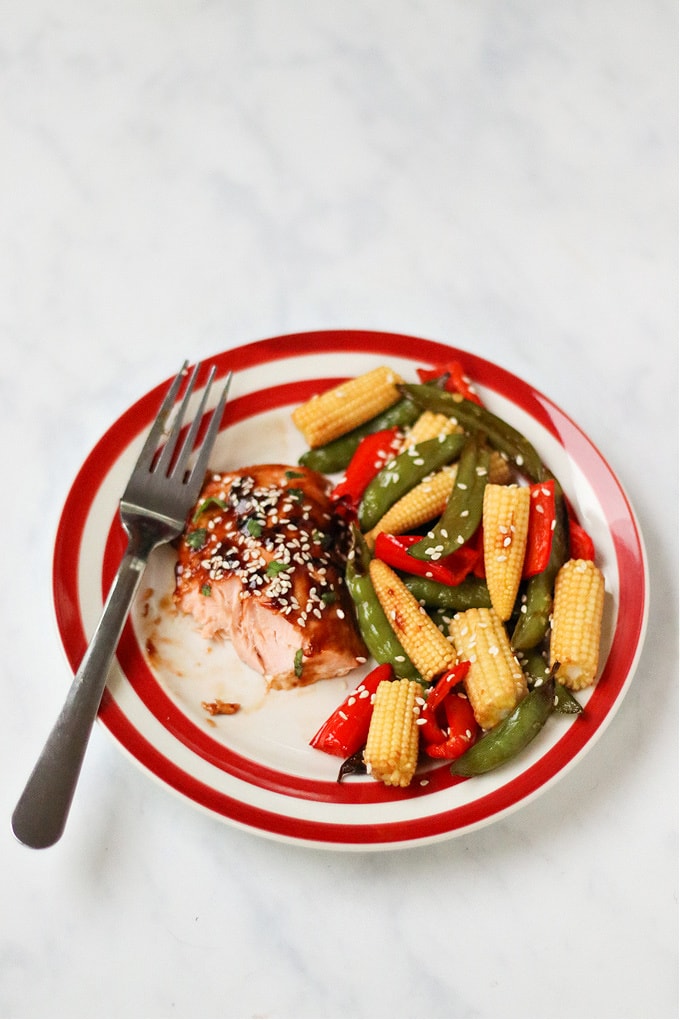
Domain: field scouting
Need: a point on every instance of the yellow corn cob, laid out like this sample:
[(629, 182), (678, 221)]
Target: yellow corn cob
[(429, 650), (428, 426), (421, 504), (495, 682), (505, 519), (330, 414), (391, 752), (500, 471), (576, 623)]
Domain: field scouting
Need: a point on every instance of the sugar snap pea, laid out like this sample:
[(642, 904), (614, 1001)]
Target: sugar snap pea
[(463, 512), (472, 593), (336, 455), (374, 626), (565, 702), (474, 417), (403, 472), (537, 671), (502, 743)]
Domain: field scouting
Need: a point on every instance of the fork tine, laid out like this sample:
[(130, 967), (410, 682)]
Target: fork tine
[(150, 447), (195, 478), (168, 450), (192, 431)]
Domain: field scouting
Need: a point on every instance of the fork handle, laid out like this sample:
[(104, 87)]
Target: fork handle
[(40, 815)]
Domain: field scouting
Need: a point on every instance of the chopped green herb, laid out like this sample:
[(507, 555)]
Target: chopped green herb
[(254, 527), (206, 504), (298, 662), (197, 539), (275, 567), (294, 474), (206, 589), (328, 598), (296, 494)]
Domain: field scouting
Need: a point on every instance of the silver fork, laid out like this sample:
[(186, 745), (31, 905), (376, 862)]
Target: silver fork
[(153, 509)]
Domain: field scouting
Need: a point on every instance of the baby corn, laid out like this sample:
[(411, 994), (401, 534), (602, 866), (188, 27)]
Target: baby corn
[(427, 648), (423, 503), (331, 414), (505, 520), (576, 623), (391, 752), (495, 682), (429, 425)]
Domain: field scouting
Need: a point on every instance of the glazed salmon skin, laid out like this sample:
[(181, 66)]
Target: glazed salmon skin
[(261, 563)]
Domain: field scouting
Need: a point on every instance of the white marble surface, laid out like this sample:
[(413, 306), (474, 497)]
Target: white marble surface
[(180, 177)]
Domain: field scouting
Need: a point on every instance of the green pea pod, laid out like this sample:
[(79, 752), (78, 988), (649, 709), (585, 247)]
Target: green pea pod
[(463, 512), (472, 593), (374, 626), (473, 417), (403, 472), (502, 743), (534, 618), (537, 671), (565, 702), (534, 667), (336, 455)]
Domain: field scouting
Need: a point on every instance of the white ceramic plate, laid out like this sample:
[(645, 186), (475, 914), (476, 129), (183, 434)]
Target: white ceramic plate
[(255, 769)]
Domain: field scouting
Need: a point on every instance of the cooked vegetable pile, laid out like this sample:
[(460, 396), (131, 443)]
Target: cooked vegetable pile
[(474, 585)]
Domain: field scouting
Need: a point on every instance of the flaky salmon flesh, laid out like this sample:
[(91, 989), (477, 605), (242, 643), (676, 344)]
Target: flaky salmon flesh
[(261, 563)]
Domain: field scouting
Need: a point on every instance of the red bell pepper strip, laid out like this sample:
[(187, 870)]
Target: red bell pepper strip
[(462, 728), (541, 528), (431, 731), (581, 545), (346, 729), (370, 456), (456, 382), (447, 681), (429, 728), (451, 569), (477, 542)]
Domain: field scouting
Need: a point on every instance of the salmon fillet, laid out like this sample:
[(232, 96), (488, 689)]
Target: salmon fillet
[(261, 563)]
